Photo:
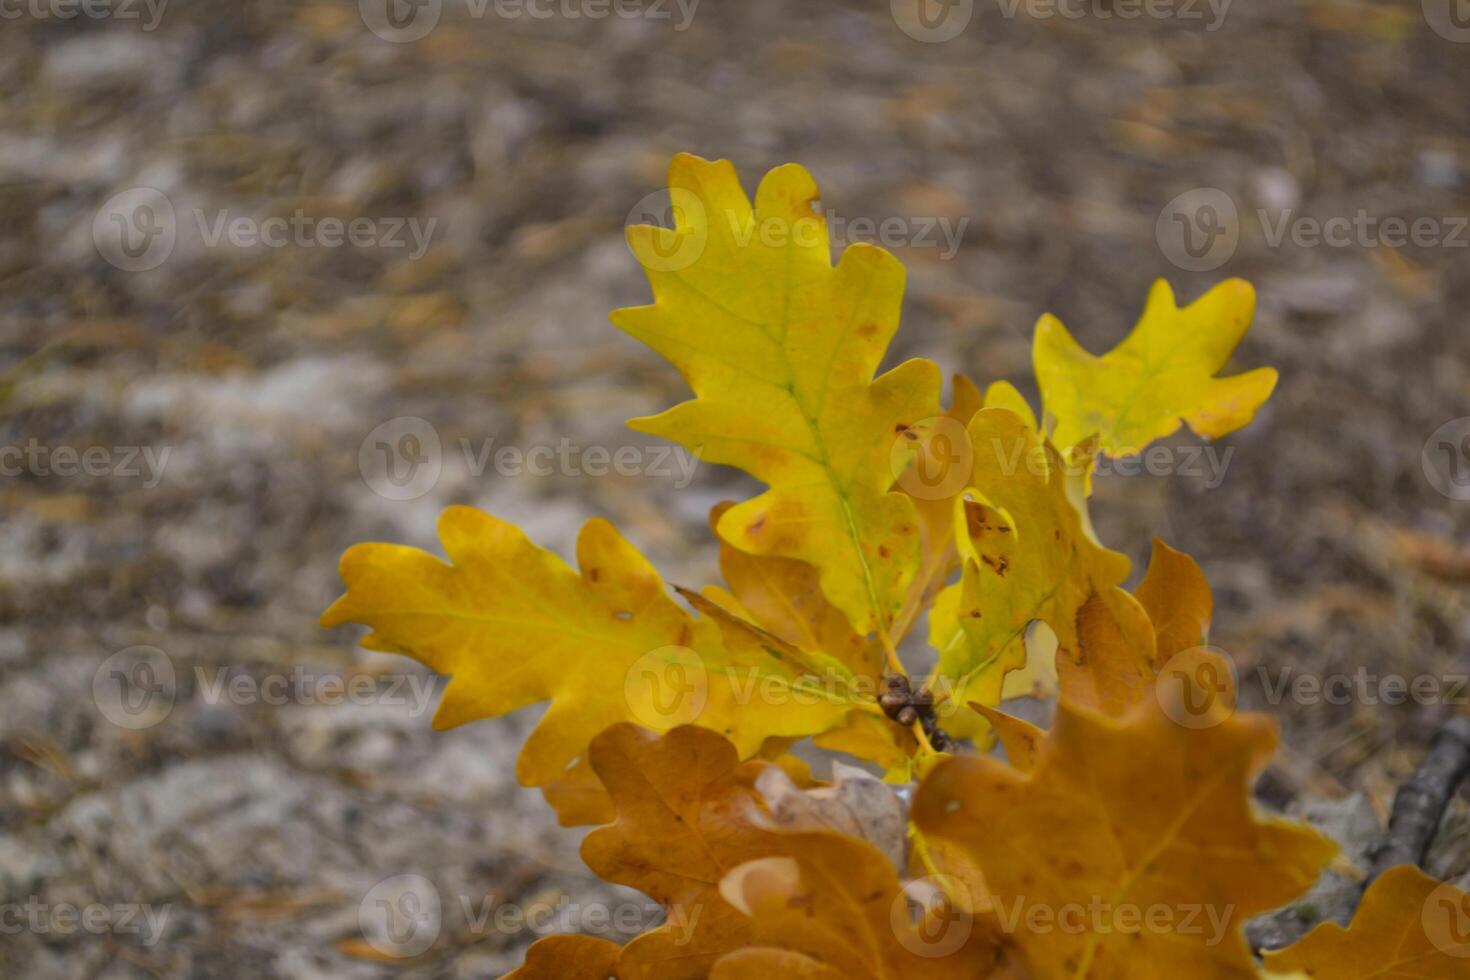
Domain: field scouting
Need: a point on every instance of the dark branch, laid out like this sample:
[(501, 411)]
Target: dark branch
[(1420, 803)]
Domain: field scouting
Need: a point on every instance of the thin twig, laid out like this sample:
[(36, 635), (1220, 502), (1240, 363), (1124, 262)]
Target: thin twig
[(1419, 805)]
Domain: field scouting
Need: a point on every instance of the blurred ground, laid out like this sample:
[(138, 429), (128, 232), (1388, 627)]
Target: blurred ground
[(520, 146)]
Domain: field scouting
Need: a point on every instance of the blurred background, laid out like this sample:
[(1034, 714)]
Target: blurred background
[(278, 277)]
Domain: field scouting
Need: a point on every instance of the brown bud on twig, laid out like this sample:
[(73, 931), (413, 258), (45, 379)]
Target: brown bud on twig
[(892, 701)]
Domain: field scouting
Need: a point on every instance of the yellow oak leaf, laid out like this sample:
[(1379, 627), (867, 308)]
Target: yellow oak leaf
[(875, 738), (1408, 927), (569, 958), (1131, 849), (838, 902), (1027, 557), (1162, 373), (938, 474), (514, 625), (1020, 739), (1003, 394), (783, 596), (780, 347)]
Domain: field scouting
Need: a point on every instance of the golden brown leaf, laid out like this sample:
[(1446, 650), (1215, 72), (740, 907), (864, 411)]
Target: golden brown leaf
[(1177, 598), (1131, 849), (569, 958), (1408, 927), (837, 901)]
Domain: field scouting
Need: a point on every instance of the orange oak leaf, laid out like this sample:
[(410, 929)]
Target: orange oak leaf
[(1131, 849), (1125, 640), (1177, 598), (1408, 927), (839, 903), (569, 958), (686, 815)]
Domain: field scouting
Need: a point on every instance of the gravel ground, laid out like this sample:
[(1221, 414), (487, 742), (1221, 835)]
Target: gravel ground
[(233, 390)]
